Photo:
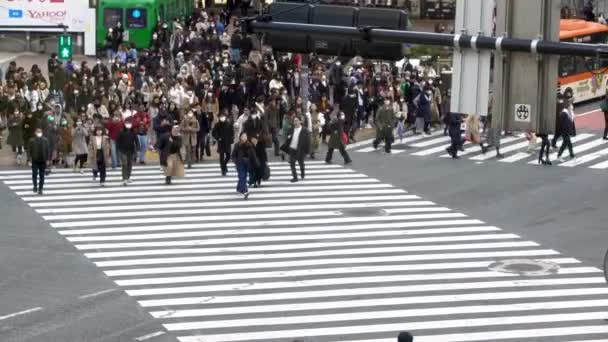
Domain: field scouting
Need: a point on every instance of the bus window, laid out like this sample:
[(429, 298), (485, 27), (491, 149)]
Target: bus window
[(163, 12), (567, 66), (111, 16), (136, 18)]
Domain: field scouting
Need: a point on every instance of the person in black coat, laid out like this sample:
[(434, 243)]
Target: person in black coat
[(223, 133), (260, 171), (254, 126), (297, 146), (566, 130), (202, 143), (128, 144), (39, 152), (454, 121)]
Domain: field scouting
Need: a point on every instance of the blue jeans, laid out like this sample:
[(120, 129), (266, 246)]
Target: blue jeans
[(115, 156), (236, 56), (242, 169), (143, 145)]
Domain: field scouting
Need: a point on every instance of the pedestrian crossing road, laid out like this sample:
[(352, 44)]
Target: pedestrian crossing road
[(338, 257), (590, 149)]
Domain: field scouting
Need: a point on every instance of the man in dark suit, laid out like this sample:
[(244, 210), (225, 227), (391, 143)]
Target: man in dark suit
[(298, 147), (39, 151)]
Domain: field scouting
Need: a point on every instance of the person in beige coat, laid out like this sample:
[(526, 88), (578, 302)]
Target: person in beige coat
[(170, 146), (99, 155), (189, 131)]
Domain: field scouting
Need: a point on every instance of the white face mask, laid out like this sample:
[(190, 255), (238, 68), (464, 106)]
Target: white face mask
[(128, 126), (39, 134), (222, 118), (190, 115)]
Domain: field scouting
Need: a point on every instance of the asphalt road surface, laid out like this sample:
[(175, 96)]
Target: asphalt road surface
[(397, 242)]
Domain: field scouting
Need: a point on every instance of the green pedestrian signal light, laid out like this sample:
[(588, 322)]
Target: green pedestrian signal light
[(65, 47)]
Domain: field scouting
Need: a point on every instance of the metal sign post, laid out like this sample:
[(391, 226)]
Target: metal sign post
[(525, 84), (471, 75)]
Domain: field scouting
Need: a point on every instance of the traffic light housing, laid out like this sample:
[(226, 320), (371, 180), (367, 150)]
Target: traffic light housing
[(64, 50), (333, 15)]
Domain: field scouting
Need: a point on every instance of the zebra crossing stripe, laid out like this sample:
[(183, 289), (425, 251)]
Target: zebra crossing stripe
[(579, 137), (588, 157), (319, 272), (600, 166), (403, 325), (516, 157)]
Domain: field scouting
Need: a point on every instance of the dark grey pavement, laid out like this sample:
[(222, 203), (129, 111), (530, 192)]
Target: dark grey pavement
[(561, 208), (69, 299)]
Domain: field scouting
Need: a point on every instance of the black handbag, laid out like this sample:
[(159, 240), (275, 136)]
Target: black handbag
[(266, 174)]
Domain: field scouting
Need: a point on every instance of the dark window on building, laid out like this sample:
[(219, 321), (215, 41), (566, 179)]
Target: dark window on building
[(111, 16)]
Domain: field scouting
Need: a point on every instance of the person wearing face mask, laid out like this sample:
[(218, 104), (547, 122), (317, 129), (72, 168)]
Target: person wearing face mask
[(99, 155), (50, 130), (114, 127), (424, 114), (223, 133), (15, 135), (190, 128), (127, 144), (385, 121), (39, 150), (170, 146), (254, 127), (64, 147), (97, 110), (30, 123), (244, 158), (141, 126), (336, 139), (566, 130), (79, 145)]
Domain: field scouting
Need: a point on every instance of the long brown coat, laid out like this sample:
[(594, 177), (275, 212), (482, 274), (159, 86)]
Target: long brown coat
[(190, 128), (105, 146)]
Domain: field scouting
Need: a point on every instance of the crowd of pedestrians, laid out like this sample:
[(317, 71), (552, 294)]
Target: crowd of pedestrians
[(203, 84)]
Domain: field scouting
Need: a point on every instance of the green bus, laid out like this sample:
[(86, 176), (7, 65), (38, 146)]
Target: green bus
[(138, 17)]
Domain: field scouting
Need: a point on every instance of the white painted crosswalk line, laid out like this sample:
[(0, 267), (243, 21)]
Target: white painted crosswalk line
[(241, 209), (181, 202), (512, 334), (390, 314), (406, 141), (585, 158), (506, 149), (516, 157), (212, 189), (335, 271), (476, 148), (577, 138), (401, 326), (338, 257), (210, 177), (600, 166), (431, 142)]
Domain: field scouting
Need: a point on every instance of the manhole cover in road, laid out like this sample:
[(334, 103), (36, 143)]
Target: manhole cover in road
[(360, 212), (525, 267)]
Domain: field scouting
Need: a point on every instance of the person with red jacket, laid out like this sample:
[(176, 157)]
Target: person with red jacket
[(114, 126), (141, 126)]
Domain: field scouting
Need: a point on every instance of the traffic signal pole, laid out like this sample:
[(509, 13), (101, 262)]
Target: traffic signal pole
[(462, 41)]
